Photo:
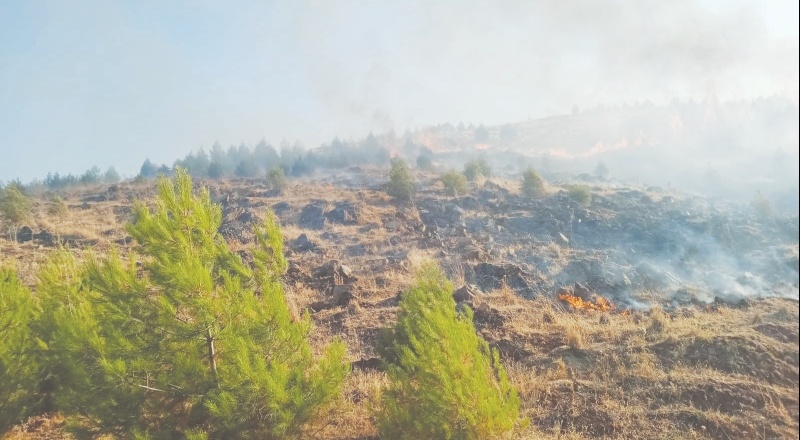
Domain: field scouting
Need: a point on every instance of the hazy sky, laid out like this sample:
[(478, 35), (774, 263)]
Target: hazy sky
[(114, 82)]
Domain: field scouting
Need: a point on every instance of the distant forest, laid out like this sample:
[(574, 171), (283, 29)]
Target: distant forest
[(242, 162), (710, 129)]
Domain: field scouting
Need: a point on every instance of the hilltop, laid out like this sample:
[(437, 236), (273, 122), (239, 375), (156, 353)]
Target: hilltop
[(642, 313)]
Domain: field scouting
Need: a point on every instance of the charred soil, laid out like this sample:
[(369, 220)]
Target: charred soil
[(691, 331)]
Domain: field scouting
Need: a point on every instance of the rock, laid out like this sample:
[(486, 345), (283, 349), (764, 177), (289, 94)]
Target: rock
[(94, 198), (303, 244), (454, 213), (394, 241), (344, 213), (620, 280), (336, 273), (124, 241), (312, 217), (24, 234), (247, 217), (392, 225), (46, 238), (485, 315), (281, 207), (465, 293), (469, 202), (342, 295), (471, 252), (582, 292), (490, 276), (372, 363), (368, 228)]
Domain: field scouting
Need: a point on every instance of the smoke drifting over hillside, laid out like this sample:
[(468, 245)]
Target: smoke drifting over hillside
[(122, 83)]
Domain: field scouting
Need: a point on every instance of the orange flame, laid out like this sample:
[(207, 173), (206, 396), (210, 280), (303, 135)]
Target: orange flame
[(596, 303)]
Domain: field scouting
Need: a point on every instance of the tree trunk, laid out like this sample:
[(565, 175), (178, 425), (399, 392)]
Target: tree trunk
[(211, 354)]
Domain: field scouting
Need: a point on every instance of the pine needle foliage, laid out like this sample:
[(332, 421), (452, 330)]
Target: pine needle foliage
[(532, 183), (18, 363), (476, 168), (455, 183), (445, 382), (276, 178), (193, 343), (402, 184), (15, 208)]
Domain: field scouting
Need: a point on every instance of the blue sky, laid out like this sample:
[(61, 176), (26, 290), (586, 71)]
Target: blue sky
[(104, 83)]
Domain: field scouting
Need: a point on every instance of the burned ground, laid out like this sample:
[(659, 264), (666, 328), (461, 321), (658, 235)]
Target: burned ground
[(699, 339)]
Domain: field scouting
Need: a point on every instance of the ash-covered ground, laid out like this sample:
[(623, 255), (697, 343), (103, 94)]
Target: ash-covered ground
[(638, 246), (642, 313)]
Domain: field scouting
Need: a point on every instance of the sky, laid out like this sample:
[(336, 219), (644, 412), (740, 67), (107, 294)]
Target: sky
[(110, 82)]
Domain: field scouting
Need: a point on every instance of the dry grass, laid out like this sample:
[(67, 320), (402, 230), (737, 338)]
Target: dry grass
[(704, 372)]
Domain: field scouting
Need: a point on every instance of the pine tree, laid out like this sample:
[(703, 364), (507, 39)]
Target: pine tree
[(446, 383), (532, 183), (18, 366), (193, 343), (15, 207), (402, 184)]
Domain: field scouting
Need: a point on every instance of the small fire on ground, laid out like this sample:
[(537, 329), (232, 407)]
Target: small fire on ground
[(595, 303), (580, 297)]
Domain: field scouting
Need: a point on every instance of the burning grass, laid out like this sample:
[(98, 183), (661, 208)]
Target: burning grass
[(585, 367), (596, 302)]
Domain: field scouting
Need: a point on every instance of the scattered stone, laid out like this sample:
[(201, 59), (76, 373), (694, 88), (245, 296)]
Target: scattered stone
[(312, 217), (369, 227), (344, 213), (124, 241), (490, 276), (46, 238), (342, 295), (334, 272), (465, 293), (24, 234), (372, 363), (281, 207), (303, 244), (486, 315)]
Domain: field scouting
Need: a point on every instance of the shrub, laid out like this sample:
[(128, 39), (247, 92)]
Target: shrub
[(276, 178), (580, 193), (445, 381), (532, 183), (18, 366), (477, 168), (193, 342), (424, 162), (15, 207), (455, 183), (401, 182), (57, 207)]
